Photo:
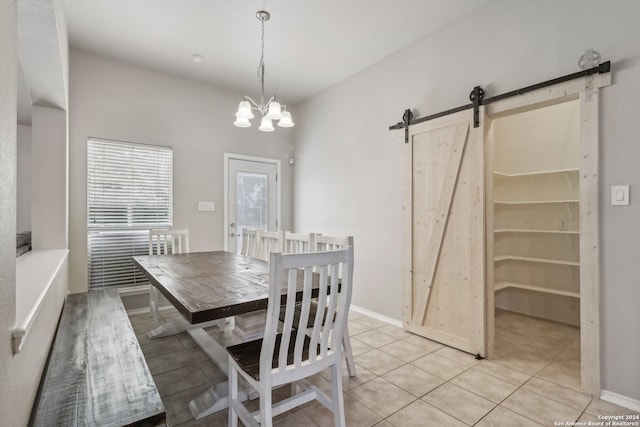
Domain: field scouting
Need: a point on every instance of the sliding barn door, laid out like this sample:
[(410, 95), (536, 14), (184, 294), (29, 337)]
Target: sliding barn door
[(444, 296)]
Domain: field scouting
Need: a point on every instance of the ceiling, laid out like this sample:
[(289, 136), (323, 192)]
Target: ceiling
[(309, 46)]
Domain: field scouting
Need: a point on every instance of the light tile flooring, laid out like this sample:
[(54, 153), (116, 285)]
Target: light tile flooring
[(406, 380)]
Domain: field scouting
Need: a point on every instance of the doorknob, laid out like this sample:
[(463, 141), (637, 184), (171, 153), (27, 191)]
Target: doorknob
[(233, 224), (232, 234)]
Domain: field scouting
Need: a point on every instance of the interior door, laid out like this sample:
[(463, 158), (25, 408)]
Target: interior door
[(444, 232), (252, 198)]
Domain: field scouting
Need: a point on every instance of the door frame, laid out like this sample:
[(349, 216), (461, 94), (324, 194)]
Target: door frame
[(586, 91), (276, 162)]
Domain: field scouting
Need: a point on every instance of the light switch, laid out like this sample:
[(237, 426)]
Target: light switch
[(619, 195), (206, 206)]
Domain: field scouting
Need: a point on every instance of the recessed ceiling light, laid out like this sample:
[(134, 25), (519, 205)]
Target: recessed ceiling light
[(197, 58)]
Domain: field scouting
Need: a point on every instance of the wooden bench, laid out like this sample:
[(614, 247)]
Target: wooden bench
[(96, 374)]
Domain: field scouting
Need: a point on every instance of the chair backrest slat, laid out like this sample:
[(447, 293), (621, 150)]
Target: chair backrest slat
[(269, 241), (332, 243), (168, 241), (299, 243), (302, 273), (304, 314), (249, 243)]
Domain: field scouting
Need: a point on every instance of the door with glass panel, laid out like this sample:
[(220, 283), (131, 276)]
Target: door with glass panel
[(252, 198)]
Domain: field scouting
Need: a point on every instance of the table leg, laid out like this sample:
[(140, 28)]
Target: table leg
[(217, 397), (213, 400)]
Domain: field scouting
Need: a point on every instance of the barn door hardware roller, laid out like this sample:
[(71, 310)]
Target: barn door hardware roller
[(406, 119), (475, 97)]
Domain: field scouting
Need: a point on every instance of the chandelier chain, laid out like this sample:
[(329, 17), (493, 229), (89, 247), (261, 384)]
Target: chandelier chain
[(261, 65)]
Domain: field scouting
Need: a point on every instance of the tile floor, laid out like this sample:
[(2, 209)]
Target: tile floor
[(406, 380)]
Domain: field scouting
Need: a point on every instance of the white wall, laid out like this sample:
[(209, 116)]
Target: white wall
[(346, 156), (23, 208), (114, 100)]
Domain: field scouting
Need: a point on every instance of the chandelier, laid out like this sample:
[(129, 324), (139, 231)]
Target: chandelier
[(270, 110)]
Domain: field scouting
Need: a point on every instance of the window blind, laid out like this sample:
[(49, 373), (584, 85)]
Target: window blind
[(129, 191)]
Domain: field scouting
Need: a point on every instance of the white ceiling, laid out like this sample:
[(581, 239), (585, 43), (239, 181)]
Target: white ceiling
[(309, 45)]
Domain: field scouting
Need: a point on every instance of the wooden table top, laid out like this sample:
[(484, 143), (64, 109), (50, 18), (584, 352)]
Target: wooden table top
[(206, 286)]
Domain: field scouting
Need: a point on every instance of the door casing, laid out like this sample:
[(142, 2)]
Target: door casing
[(586, 90)]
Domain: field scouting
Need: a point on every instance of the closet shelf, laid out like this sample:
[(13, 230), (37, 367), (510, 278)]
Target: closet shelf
[(533, 202), (537, 173), (503, 285), (523, 230), (531, 259)]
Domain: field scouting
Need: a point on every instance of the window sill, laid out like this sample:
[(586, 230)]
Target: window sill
[(36, 271)]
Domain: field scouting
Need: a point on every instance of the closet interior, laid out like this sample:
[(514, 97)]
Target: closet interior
[(535, 237)]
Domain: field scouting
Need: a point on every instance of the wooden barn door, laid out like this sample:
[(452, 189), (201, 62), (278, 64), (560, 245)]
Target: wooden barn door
[(443, 240)]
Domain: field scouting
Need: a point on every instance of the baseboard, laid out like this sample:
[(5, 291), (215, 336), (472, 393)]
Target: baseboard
[(620, 400), (378, 316)]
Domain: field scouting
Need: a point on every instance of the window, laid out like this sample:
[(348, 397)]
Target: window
[(129, 191)]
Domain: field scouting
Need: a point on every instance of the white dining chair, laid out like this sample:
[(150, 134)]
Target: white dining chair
[(249, 326), (331, 243), (249, 242), (292, 355), (269, 241), (163, 241), (298, 243)]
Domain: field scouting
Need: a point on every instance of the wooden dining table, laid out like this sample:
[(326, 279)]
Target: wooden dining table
[(206, 287)]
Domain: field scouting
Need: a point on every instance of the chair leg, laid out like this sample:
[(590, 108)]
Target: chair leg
[(346, 344), (266, 409), (233, 396), (337, 395)]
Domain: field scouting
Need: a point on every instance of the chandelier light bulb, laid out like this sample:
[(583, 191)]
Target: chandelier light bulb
[(266, 125), (285, 121), (244, 110), (242, 122), (275, 112)]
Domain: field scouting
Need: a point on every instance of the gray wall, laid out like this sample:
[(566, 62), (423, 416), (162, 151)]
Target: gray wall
[(20, 373), (115, 100), (8, 123), (23, 208), (346, 156)]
